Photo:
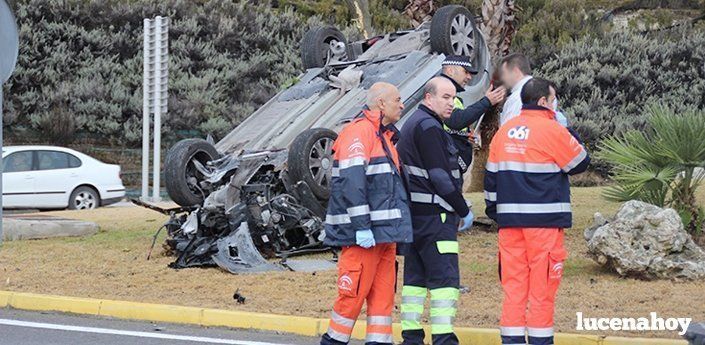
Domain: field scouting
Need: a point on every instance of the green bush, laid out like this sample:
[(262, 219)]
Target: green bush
[(386, 15), (605, 85), (80, 66), (546, 26)]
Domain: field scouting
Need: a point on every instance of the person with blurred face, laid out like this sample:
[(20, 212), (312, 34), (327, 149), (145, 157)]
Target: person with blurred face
[(368, 214), (515, 71), (438, 212)]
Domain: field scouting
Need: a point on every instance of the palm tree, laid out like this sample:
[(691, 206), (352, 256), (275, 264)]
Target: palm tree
[(661, 165), (419, 11), (361, 12), (498, 27)]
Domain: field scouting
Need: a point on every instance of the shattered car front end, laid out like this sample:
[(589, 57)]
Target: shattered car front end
[(256, 215)]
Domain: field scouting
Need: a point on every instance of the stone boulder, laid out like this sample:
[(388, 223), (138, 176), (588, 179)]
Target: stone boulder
[(646, 242)]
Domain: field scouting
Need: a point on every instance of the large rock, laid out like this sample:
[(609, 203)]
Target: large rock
[(647, 242)]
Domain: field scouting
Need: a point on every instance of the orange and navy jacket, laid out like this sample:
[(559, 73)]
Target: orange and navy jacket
[(367, 190), (526, 178)]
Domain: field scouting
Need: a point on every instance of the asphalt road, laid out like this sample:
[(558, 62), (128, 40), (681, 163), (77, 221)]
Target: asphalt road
[(35, 328)]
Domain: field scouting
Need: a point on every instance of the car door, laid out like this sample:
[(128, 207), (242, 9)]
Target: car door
[(18, 179), (54, 178)]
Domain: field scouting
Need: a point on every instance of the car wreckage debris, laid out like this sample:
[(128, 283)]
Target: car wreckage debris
[(239, 298), (251, 218), (260, 192)]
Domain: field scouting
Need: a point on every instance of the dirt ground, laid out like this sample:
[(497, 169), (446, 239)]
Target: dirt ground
[(112, 265)]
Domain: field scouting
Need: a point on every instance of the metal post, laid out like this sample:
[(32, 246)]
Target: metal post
[(9, 41), (157, 108), (146, 106)]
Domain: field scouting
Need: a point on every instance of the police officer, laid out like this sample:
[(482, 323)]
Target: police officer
[(459, 70), (437, 207)]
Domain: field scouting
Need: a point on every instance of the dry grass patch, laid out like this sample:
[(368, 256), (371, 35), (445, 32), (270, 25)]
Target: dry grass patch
[(112, 265)]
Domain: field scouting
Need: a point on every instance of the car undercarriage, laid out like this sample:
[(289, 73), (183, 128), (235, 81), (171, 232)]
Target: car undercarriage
[(261, 192)]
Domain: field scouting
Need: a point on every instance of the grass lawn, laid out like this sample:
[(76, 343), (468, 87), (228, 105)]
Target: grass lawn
[(112, 265)]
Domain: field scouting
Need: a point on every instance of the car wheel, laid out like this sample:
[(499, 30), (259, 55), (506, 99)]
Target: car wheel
[(84, 198), (311, 160), (181, 175), (453, 31), (322, 45)]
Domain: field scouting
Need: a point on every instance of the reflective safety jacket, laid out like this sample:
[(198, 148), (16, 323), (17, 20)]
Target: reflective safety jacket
[(526, 177), (367, 190), (431, 161)]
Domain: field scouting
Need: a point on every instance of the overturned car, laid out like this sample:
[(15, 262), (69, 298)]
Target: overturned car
[(261, 191)]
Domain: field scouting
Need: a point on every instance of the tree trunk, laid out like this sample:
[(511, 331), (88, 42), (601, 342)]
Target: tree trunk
[(361, 11), (488, 128), (498, 28), (419, 11)]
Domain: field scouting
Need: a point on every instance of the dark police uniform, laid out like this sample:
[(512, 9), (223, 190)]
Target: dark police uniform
[(431, 262), (460, 120)]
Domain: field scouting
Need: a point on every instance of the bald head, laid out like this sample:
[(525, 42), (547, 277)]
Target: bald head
[(385, 98), (439, 96), (378, 91)]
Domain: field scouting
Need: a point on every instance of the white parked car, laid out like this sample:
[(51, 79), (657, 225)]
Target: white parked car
[(50, 177)]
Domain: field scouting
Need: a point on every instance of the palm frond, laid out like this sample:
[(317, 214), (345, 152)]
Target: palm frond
[(657, 165), (679, 137)]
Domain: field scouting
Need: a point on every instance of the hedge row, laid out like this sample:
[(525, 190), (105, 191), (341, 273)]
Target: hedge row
[(605, 84), (80, 67)]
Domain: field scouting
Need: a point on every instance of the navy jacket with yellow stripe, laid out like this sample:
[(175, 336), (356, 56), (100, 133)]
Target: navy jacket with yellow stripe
[(431, 161)]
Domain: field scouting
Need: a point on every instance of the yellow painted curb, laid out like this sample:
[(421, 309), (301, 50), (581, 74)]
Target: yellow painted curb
[(236, 319), (75, 305), (151, 312), (306, 326), (636, 341), (5, 298)]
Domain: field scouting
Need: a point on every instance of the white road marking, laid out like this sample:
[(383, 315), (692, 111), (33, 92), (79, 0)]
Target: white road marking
[(128, 333)]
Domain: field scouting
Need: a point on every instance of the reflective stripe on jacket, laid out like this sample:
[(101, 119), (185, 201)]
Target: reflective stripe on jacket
[(367, 191), (526, 177)]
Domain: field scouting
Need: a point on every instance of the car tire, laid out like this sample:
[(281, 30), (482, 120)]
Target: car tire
[(311, 160), (453, 31), (316, 45), (84, 198), (179, 170)]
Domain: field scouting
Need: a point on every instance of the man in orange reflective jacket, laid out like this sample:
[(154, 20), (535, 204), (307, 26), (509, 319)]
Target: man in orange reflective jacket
[(527, 192), (367, 215)]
